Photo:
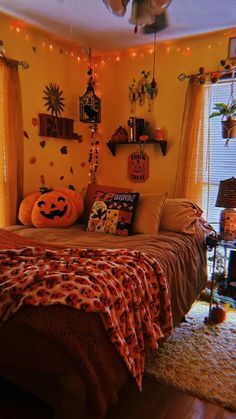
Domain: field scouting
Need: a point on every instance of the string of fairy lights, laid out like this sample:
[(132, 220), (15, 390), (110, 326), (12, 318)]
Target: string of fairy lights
[(80, 55), (101, 59)]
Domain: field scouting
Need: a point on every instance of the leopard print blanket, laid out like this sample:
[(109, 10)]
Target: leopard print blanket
[(127, 288)]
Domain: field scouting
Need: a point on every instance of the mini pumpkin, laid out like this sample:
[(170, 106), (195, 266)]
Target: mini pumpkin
[(218, 314), (51, 208)]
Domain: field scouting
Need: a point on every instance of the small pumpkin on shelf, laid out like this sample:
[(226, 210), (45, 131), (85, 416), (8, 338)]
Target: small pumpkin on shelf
[(218, 314), (120, 135)]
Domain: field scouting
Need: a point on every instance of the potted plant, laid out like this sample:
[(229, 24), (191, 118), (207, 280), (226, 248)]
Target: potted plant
[(228, 113)]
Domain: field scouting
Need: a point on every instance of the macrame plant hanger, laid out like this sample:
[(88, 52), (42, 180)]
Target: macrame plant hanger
[(229, 125)]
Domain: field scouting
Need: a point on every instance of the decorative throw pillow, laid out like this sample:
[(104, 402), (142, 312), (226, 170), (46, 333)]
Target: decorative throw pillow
[(180, 215), (148, 213), (92, 189), (51, 208), (113, 213)]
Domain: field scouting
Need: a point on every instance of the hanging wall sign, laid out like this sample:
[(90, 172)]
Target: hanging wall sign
[(138, 166)]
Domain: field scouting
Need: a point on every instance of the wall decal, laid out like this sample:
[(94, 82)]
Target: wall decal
[(25, 134), (42, 143), (63, 150), (71, 187), (83, 164), (42, 180), (32, 160), (51, 163), (61, 177), (71, 170)]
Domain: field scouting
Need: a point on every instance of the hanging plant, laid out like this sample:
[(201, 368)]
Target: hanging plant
[(228, 113)]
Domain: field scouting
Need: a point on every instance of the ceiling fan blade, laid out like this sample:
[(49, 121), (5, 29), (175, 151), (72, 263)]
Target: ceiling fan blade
[(117, 7)]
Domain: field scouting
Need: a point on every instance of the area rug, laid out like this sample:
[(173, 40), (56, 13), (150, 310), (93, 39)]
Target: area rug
[(200, 359)]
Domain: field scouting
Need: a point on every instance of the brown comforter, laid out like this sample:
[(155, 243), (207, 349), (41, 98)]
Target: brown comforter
[(82, 344)]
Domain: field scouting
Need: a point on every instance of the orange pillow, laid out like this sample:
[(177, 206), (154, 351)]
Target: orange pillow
[(89, 198), (51, 208)]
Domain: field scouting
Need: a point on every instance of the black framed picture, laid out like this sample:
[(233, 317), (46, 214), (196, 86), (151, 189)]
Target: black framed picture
[(232, 48)]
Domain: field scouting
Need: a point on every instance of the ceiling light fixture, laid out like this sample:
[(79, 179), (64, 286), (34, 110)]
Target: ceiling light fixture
[(143, 11)]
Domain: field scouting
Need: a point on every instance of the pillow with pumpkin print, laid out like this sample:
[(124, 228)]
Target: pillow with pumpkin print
[(113, 213)]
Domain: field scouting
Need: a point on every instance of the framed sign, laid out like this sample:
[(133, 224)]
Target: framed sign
[(232, 48), (138, 166)]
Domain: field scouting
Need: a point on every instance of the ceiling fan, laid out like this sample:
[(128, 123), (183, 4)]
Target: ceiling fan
[(149, 14)]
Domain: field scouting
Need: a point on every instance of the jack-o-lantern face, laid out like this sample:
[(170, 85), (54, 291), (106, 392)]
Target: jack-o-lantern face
[(54, 208)]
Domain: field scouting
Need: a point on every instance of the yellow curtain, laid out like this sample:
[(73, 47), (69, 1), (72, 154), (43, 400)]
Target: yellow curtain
[(11, 142), (194, 157)]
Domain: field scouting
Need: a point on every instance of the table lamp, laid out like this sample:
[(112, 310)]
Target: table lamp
[(226, 198)]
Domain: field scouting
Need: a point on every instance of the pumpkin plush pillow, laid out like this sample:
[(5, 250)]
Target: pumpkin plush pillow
[(113, 213), (51, 208)]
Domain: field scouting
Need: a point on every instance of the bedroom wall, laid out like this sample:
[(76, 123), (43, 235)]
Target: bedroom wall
[(172, 58), (47, 162)]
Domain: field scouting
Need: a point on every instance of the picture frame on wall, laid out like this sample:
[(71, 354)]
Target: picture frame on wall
[(232, 48)]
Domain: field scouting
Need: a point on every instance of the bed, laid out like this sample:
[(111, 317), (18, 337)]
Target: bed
[(69, 356)]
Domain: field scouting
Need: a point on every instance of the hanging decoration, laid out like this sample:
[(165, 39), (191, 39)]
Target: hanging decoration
[(90, 104), (93, 159), (90, 112), (143, 88), (143, 11), (138, 166), (227, 112)]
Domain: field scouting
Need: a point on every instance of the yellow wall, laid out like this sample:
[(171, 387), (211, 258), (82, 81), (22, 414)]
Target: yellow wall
[(173, 58), (49, 65), (114, 75)]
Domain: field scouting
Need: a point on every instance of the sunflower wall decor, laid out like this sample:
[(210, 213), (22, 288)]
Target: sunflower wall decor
[(54, 100), (52, 125)]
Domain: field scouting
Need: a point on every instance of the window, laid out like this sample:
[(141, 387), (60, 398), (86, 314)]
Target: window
[(221, 159)]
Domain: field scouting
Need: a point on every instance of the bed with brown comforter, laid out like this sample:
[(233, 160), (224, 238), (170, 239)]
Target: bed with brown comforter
[(76, 352)]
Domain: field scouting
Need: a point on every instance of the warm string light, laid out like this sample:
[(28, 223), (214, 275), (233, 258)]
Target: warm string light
[(186, 51)]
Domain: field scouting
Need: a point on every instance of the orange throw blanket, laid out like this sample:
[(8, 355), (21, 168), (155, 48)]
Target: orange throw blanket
[(126, 287)]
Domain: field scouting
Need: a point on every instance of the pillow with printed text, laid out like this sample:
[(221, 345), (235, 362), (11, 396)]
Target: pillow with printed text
[(113, 213)]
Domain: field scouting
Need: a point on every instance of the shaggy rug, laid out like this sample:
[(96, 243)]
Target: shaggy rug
[(200, 359)]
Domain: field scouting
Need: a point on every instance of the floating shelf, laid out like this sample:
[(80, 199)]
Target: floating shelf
[(112, 146)]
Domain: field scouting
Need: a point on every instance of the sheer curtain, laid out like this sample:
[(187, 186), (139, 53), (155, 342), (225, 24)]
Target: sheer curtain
[(194, 158), (11, 142)]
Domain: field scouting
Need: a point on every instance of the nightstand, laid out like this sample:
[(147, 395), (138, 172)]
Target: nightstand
[(223, 272)]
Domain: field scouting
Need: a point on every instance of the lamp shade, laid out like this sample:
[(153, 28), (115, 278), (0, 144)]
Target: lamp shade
[(226, 197)]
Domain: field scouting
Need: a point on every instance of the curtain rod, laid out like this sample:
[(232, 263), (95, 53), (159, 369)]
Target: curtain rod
[(23, 64), (215, 74)]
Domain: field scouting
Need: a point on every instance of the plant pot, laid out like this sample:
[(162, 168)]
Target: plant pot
[(229, 128)]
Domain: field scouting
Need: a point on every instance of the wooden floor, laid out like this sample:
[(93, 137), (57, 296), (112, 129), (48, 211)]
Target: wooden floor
[(155, 402), (158, 401)]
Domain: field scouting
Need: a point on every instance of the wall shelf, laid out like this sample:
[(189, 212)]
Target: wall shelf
[(112, 145)]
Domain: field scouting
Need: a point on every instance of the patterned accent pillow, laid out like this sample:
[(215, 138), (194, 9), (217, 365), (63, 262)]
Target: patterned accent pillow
[(113, 213)]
